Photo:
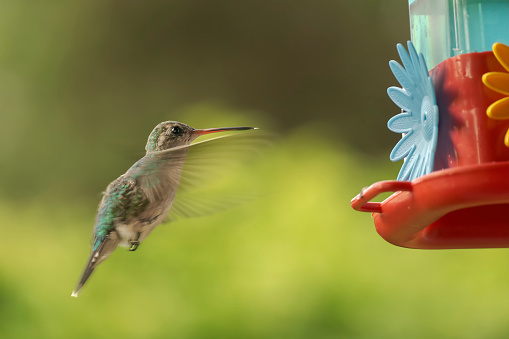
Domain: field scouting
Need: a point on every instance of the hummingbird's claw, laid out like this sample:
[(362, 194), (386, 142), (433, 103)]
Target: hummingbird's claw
[(134, 245)]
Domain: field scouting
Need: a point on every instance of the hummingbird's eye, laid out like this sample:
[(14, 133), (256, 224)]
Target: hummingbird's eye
[(176, 130)]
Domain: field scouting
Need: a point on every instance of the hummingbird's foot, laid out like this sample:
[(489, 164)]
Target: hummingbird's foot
[(134, 243)]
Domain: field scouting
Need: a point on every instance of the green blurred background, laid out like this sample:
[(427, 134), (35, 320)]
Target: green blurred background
[(82, 84)]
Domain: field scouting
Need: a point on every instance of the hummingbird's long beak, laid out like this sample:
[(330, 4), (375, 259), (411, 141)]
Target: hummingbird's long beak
[(220, 129)]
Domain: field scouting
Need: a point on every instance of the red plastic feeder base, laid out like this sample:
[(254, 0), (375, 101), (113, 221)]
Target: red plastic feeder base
[(464, 202), (462, 207)]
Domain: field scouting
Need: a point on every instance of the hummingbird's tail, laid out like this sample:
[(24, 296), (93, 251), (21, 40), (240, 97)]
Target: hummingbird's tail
[(96, 257), (89, 268)]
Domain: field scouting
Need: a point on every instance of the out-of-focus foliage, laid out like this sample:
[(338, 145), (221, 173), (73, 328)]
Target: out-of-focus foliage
[(93, 77), (82, 84), (296, 263)]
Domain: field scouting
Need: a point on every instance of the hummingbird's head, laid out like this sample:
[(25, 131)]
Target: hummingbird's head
[(171, 134)]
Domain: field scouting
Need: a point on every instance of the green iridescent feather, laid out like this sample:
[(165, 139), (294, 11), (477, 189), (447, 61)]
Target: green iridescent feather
[(123, 201)]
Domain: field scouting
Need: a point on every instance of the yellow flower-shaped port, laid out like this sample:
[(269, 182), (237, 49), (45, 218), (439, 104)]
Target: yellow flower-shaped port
[(499, 82)]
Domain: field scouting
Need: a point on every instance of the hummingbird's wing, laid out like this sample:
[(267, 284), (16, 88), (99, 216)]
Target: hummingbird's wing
[(209, 181), (209, 159), (158, 173), (190, 167), (202, 204)]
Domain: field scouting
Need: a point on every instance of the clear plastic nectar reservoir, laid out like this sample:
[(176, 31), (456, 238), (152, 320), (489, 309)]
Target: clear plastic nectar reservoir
[(442, 29)]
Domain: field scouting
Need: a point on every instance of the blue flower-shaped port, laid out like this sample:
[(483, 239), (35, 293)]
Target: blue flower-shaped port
[(419, 120)]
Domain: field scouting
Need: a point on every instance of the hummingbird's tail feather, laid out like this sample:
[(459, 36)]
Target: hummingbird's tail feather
[(96, 257), (89, 268)]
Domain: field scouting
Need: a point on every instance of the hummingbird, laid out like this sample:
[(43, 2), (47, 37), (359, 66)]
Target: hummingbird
[(139, 200)]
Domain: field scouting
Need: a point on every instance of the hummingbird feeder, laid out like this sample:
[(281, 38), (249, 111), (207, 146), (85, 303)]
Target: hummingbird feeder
[(453, 188)]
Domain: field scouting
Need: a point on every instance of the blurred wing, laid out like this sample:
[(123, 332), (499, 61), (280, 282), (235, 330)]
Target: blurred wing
[(210, 160), (204, 204), (158, 173), (195, 168)]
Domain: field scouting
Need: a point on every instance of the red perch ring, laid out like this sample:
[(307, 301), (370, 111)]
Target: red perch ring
[(462, 207)]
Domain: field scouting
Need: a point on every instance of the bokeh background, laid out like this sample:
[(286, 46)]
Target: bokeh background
[(82, 84)]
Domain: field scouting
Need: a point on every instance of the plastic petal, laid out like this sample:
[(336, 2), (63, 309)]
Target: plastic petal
[(501, 51), (403, 146), (408, 165), (401, 123), (497, 81), (499, 110), (416, 169), (401, 75), (401, 98), (407, 62)]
